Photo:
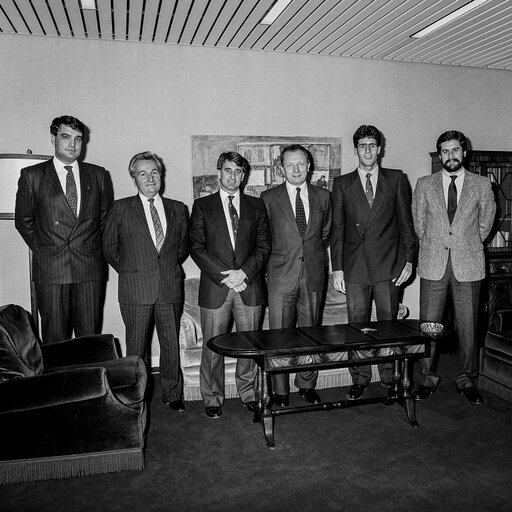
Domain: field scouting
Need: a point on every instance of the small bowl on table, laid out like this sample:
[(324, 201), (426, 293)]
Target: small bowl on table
[(432, 329)]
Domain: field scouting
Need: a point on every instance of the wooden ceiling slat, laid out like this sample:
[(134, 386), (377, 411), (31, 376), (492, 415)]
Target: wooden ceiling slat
[(120, 29), (166, 10), (333, 21), (5, 26), (75, 18), (194, 20), (148, 27), (179, 21), (91, 24), (105, 17), (358, 22), (235, 23), (209, 18), (14, 16), (58, 14), (222, 21), (286, 30), (493, 50), (30, 18), (134, 20), (251, 22)]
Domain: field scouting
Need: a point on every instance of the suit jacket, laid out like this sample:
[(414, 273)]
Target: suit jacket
[(289, 249), (213, 252), (463, 239), (372, 245), (65, 249), (144, 274)]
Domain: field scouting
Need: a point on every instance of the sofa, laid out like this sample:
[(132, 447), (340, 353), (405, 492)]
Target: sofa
[(495, 373), (69, 408), (191, 342)]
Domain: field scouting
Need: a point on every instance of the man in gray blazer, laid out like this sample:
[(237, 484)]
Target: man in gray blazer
[(300, 223), (453, 212), (61, 206), (145, 241)]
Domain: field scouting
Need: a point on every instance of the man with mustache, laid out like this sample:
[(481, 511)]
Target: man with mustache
[(453, 212)]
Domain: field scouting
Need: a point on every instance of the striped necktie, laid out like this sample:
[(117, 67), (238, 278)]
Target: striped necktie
[(159, 232)]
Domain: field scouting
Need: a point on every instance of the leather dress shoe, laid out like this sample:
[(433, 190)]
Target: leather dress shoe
[(423, 392), (177, 405), (472, 394), (213, 412), (310, 395), (281, 400), (356, 391), (252, 406)]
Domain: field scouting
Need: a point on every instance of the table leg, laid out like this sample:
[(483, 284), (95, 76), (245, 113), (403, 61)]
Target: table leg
[(266, 416), (409, 403)]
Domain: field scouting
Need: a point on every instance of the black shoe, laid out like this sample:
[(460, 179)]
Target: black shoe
[(252, 406), (281, 400), (356, 391), (213, 412), (423, 392), (177, 405), (310, 395), (472, 395)]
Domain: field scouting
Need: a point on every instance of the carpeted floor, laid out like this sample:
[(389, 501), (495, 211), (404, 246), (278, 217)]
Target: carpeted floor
[(359, 459)]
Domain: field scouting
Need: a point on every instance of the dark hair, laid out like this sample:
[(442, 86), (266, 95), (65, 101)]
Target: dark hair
[(71, 122), (294, 147), (145, 155), (452, 135), (367, 131), (236, 158)]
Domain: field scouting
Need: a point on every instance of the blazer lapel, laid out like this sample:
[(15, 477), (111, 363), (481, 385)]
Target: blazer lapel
[(313, 206), (465, 195), (169, 217), (140, 218), (438, 194), (55, 189), (380, 193), (363, 208), (85, 188), (285, 205), (217, 212)]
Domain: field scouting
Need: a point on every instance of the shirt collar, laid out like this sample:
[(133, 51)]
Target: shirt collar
[(364, 172), (59, 165), (447, 174), (145, 200), (292, 188), (224, 195)]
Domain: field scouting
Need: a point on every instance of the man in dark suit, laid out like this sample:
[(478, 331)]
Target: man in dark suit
[(373, 246), (230, 243), (453, 212), (300, 222), (61, 206), (145, 241)]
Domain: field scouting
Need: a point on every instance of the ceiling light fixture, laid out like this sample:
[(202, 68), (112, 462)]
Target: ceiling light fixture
[(88, 4), (274, 12), (448, 18)]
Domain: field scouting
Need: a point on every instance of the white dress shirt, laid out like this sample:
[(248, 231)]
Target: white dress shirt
[(224, 196), (159, 205), (62, 173), (304, 195)]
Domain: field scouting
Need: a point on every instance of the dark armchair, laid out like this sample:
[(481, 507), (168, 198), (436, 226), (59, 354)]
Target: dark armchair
[(496, 356), (69, 408)]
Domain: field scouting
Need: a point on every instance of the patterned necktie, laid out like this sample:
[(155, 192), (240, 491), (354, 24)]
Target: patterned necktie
[(300, 214), (452, 199), (159, 232), (369, 190), (234, 216), (71, 194)]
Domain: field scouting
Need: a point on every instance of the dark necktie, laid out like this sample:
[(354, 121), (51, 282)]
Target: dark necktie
[(234, 216), (369, 190), (159, 232), (452, 199), (300, 214), (71, 194)]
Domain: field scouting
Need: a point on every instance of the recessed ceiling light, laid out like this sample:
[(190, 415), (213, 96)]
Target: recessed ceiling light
[(448, 18), (274, 12), (88, 4)]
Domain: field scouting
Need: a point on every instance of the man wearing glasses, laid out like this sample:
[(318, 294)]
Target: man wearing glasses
[(230, 243)]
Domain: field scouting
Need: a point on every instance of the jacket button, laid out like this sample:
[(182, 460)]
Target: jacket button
[(450, 233), (446, 248)]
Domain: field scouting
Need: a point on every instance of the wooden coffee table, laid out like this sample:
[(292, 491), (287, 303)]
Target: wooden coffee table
[(330, 346)]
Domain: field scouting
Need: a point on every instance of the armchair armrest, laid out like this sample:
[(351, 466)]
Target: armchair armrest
[(502, 320), (52, 389), (82, 350)]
